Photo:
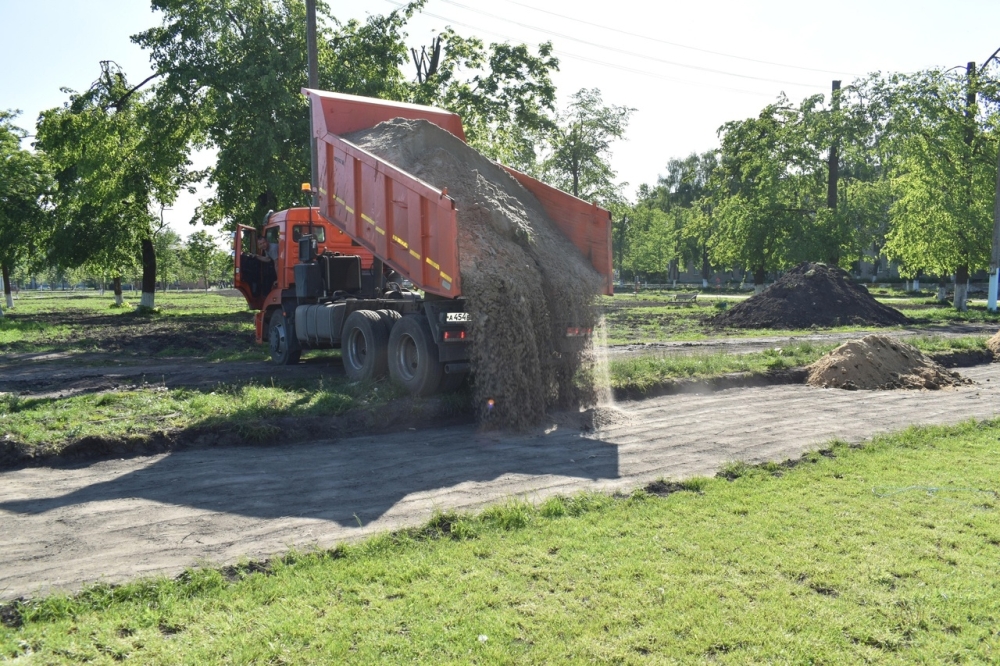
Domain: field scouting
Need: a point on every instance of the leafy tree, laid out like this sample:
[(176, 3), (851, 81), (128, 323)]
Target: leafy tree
[(770, 183), (683, 193), (580, 153), (200, 255), (504, 94), (243, 64), (944, 175), (115, 154), (170, 255), (25, 180)]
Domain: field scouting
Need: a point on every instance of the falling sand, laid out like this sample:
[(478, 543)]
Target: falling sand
[(525, 282)]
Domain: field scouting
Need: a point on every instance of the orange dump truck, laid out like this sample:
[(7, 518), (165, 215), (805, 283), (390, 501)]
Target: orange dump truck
[(374, 269)]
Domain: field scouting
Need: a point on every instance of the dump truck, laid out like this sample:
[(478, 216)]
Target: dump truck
[(374, 269)]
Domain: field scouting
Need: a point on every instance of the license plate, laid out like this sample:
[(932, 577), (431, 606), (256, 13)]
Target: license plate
[(456, 316)]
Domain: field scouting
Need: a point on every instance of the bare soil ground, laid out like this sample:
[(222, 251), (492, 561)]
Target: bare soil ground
[(59, 374), (64, 527)]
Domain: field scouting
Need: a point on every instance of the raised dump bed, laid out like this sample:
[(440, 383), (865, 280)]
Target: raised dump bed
[(409, 223)]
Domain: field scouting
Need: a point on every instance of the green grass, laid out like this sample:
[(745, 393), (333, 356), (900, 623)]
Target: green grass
[(195, 324), (931, 344), (49, 424), (883, 554), (643, 372)]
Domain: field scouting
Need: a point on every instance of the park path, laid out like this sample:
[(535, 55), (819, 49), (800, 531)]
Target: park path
[(61, 528)]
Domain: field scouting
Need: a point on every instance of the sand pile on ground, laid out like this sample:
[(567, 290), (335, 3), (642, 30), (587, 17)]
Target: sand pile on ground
[(880, 362), (811, 295), (525, 282), (993, 344)]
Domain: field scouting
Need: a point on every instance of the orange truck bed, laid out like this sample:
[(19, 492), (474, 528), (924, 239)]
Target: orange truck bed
[(409, 224)]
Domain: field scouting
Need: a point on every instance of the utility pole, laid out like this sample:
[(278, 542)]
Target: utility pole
[(314, 84), (991, 304), (962, 273), (833, 171)]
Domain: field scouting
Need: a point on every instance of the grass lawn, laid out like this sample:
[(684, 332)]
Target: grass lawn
[(49, 424), (198, 324), (644, 372), (248, 409), (886, 553)]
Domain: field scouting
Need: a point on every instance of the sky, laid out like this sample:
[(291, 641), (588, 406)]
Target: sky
[(686, 68)]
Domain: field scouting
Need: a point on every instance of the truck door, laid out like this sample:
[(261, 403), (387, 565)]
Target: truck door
[(246, 267)]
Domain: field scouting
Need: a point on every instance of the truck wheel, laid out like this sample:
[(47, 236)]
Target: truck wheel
[(389, 319), (413, 356), (364, 346), (281, 339)]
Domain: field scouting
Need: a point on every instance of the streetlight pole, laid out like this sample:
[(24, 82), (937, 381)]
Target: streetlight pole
[(313, 84)]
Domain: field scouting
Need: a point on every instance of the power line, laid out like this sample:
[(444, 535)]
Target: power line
[(627, 52), (669, 43), (594, 61)]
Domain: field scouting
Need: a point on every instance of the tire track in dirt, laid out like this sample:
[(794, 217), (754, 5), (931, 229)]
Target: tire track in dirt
[(61, 528)]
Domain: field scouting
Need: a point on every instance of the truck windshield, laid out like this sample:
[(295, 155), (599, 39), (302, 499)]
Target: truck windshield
[(300, 230)]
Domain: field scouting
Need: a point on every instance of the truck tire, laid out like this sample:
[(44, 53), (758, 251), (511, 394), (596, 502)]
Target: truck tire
[(413, 356), (365, 346), (389, 319), (285, 348)]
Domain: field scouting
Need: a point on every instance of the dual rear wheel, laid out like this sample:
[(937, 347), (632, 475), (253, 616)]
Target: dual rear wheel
[(375, 343)]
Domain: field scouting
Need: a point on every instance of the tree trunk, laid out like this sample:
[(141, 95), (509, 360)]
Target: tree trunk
[(117, 284), (942, 292), (758, 279), (962, 288), (6, 286), (148, 274), (706, 268), (916, 281)]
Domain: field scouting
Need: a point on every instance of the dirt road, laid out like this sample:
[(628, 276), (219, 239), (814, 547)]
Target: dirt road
[(62, 528)]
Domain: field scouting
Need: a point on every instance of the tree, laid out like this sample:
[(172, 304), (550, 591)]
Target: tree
[(200, 254), (115, 153), (504, 94), (769, 184), (580, 151), (25, 180), (944, 174), (682, 192), (170, 256)]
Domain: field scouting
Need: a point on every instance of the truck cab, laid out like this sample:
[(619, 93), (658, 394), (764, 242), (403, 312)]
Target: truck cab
[(314, 287)]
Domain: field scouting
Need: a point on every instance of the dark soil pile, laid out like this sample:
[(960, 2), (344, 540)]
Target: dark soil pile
[(525, 282), (880, 362), (811, 295)]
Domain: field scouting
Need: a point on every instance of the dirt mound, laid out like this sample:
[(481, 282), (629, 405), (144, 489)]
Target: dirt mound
[(993, 344), (879, 362), (525, 282), (811, 295)]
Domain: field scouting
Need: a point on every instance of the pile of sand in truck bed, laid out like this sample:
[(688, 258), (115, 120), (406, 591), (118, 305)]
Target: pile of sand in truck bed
[(811, 295), (880, 362), (525, 282)]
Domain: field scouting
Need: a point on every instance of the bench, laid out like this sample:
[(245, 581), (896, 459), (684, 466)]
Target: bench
[(685, 298)]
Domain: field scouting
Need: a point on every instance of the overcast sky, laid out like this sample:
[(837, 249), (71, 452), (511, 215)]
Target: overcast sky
[(685, 67)]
